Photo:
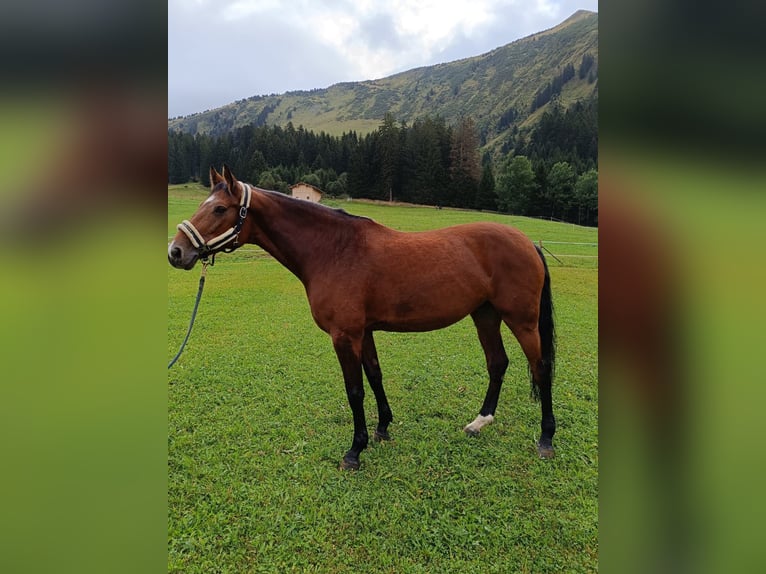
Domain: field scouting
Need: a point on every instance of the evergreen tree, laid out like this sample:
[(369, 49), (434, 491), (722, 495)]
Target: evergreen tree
[(486, 198), (465, 168), (560, 189), (359, 172), (257, 165), (570, 135), (516, 185), (174, 165), (586, 198), (388, 143), (585, 65), (180, 157), (424, 165), (312, 179), (269, 180)]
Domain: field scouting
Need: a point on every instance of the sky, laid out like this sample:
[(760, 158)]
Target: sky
[(220, 51)]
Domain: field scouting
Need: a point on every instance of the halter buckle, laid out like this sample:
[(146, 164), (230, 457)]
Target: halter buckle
[(205, 262)]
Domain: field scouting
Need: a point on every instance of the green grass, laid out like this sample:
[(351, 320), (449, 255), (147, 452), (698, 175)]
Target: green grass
[(258, 423)]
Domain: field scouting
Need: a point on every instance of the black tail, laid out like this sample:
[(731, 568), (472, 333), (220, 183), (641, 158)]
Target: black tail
[(547, 332)]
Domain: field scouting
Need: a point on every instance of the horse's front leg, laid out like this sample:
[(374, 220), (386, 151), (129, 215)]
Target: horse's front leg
[(375, 377), (349, 351)]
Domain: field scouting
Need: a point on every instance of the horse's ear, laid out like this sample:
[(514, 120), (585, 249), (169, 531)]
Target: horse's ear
[(231, 181), (215, 177)]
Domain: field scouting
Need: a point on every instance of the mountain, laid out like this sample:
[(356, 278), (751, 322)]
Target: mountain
[(504, 90)]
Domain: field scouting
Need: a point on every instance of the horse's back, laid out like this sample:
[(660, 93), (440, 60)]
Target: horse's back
[(471, 250), (428, 280), (501, 247)]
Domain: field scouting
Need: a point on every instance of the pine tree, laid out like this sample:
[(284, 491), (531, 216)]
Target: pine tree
[(389, 150), (486, 198), (257, 165), (465, 167)]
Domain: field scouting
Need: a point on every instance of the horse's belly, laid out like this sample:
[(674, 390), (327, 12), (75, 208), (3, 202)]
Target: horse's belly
[(412, 325), (424, 311)]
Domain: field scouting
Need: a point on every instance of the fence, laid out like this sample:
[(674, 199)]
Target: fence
[(571, 253)]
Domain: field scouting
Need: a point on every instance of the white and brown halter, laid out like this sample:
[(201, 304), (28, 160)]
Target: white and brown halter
[(212, 245)]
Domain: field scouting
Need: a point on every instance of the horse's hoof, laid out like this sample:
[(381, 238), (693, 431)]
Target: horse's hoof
[(545, 450), (349, 464), (381, 436), (474, 427)]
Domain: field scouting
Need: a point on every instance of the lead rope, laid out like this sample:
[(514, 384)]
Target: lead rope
[(194, 312)]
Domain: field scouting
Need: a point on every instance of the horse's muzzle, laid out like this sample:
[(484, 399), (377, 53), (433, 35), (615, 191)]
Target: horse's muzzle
[(180, 259)]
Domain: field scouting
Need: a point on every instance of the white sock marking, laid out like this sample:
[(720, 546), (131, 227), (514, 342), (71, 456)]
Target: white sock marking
[(477, 424)]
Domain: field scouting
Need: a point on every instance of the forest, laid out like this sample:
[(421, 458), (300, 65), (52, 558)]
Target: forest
[(550, 170)]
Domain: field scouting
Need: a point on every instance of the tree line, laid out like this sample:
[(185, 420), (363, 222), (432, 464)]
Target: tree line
[(554, 87), (548, 172)]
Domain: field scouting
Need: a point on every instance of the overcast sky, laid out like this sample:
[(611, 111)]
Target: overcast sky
[(220, 51)]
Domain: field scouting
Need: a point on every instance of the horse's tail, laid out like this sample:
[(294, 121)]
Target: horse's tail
[(547, 333)]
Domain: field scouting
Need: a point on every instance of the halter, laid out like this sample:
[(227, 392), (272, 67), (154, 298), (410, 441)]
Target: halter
[(207, 247)]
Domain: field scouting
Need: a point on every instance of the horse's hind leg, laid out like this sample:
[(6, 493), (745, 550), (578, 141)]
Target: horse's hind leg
[(375, 378), (528, 336), (487, 321)]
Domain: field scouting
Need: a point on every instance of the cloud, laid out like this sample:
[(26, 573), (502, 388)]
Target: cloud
[(273, 46)]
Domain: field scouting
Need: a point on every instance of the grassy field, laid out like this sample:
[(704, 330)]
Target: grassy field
[(258, 422)]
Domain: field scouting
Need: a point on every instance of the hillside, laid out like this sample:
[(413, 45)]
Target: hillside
[(499, 89)]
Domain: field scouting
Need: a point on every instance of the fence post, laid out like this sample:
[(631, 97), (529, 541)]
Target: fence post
[(540, 241)]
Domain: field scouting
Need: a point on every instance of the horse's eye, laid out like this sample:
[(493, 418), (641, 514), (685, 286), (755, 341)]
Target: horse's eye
[(219, 209)]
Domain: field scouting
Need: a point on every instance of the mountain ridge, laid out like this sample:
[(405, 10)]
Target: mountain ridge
[(500, 90)]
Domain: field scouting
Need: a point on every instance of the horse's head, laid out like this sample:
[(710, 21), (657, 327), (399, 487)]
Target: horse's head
[(215, 225)]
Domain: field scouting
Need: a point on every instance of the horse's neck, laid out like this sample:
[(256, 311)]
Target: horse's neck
[(294, 235)]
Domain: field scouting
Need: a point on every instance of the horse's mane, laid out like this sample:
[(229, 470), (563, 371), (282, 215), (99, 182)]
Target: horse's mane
[(310, 206), (294, 202)]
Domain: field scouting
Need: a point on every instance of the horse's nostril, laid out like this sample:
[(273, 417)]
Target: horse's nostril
[(175, 252)]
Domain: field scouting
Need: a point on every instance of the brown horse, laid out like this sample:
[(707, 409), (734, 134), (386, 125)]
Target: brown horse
[(361, 277)]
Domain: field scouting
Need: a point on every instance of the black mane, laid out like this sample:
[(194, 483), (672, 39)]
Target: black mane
[(310, 205)]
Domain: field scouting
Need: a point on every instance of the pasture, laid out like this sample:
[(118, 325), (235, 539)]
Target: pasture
[(258, 421)]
